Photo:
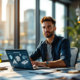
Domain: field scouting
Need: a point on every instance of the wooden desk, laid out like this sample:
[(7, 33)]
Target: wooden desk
[(21, 74)]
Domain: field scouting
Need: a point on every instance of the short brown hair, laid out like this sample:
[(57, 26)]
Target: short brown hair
[(47, 19)]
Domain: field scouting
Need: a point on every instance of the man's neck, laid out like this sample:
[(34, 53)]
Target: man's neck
[(49, 40)]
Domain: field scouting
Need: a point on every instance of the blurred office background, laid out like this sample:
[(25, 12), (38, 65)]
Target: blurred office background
[(29, 28)]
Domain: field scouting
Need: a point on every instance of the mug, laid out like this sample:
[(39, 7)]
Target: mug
[(77, 66)]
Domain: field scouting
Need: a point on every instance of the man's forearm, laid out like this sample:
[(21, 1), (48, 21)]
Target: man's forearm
[(54, 64), (57, 63)]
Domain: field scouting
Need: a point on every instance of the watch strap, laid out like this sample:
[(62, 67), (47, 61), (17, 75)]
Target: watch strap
[(47, 62)]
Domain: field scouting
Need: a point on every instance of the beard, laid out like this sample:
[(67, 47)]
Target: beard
[(48, 35)]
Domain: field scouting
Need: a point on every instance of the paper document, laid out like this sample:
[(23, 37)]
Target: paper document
[(42, 71), (6, 64)]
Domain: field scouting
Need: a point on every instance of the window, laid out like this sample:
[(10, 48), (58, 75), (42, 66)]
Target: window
[(6, 26), (59, 14), (45, 10), (27, 25)]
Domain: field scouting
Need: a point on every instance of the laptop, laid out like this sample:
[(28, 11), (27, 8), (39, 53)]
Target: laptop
[(19, 58)]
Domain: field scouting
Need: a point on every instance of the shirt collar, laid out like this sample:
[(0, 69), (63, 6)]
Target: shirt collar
[(54, 40)]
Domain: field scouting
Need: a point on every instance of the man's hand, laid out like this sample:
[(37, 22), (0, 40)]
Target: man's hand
[(36, 64)]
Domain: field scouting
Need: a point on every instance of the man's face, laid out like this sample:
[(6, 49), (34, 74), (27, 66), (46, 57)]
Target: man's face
[(48, 29)]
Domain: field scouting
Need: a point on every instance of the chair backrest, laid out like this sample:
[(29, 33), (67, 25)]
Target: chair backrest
[(74, 55)]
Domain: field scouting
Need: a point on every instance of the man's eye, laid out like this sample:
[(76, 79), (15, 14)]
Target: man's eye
[(43, 27)]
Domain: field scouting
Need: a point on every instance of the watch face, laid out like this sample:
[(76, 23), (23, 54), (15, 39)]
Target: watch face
[(47, 62)]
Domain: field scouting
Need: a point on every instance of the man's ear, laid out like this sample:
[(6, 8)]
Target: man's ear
[(54, 28)]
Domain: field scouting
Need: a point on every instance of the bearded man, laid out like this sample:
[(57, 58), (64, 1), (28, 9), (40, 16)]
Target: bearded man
[(55, 50)]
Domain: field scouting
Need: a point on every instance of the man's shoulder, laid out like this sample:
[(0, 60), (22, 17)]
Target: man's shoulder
[(62, 38), (42, 42)]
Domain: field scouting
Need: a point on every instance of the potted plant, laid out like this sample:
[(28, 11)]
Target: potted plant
[(73, 30)]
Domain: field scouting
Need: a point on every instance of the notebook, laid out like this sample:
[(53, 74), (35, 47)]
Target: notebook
[(19, 58)]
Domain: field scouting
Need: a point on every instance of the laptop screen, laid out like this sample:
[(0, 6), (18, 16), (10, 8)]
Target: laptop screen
[(19, 58)]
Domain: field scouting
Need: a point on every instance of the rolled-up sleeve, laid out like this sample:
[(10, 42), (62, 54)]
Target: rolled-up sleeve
[(65, 53)]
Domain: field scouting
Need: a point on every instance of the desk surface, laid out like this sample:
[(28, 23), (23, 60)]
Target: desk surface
[(45, 74)]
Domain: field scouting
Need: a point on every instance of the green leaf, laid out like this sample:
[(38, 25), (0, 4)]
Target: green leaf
[(74, 30)]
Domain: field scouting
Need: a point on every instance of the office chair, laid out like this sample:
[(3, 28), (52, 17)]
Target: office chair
[(74, 55)]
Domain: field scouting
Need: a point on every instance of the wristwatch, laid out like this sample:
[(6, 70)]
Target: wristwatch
[(47, 63)]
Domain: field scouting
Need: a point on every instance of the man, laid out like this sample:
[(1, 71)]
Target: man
[(55, 50)]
